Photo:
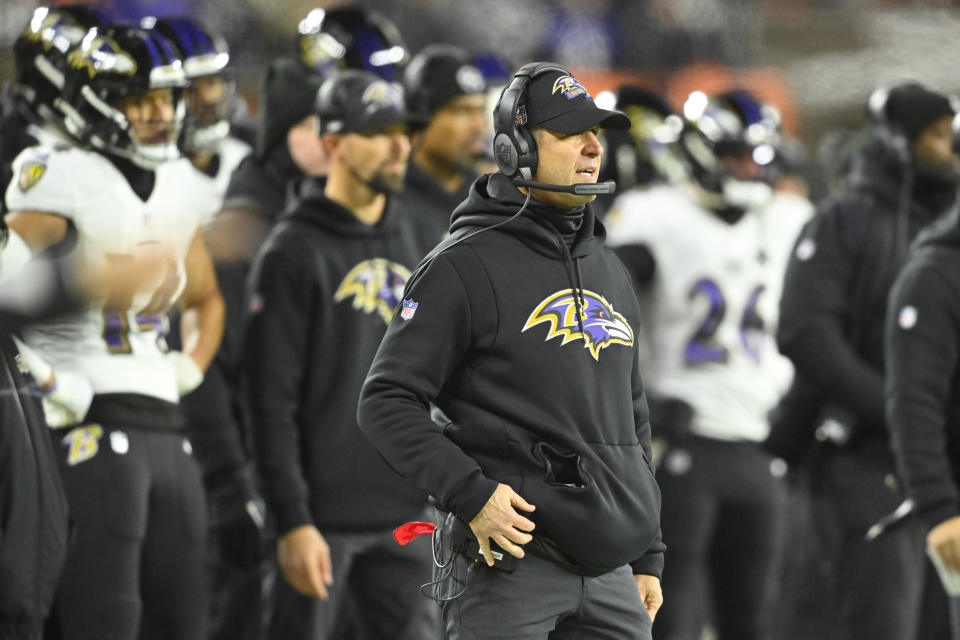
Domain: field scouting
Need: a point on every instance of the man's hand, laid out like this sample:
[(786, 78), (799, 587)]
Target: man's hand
[(305, 560), (650, 593), (945, 540), (500, 521)]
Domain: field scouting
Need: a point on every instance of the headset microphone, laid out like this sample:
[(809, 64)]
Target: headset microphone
[(582, 189)]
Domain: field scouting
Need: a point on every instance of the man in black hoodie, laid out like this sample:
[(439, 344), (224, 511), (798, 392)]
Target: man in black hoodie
[(322, 290), (445, 87), (923, 388), (521, 328), (831, 327)]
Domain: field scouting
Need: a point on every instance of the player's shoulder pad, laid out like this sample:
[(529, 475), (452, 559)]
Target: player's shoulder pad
[(640, 216), (45, 178)]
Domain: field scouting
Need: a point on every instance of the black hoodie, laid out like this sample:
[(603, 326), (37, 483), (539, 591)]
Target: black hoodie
[(495, 342), (322, 289), (837, 282), (923, 385)]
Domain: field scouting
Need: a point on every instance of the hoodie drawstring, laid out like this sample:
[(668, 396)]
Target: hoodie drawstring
[(576, 284)]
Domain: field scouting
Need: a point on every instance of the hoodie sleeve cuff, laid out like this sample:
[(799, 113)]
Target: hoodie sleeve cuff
[(932, 517), (291, 515), (650, 564), (470, 496)]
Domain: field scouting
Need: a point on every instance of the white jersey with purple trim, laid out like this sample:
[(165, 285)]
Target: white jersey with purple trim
[(230, 152), (117, 342), (710, 312)]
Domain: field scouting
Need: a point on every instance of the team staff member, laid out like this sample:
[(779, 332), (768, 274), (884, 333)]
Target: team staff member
[(135, 568), (446, 89), (524, 335), (323, 288), (923, 389), (834, 298)]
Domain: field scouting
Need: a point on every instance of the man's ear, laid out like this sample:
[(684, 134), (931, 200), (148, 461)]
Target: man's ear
[(330, 141)]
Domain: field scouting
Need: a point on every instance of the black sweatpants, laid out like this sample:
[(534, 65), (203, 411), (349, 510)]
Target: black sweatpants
[(136, 566), (722, 518), (856, 589)]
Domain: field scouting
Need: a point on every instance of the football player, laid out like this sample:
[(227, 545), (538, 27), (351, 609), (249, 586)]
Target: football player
[(135, 568), (214, 418), (708, 257)]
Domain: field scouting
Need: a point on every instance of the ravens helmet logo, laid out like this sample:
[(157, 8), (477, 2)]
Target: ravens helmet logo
[(103, 55)]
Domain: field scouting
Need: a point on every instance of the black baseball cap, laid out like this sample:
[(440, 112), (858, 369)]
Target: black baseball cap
[(353, 101), (557, 101)]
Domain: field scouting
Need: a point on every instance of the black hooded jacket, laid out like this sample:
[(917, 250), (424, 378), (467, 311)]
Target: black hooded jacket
[(837, 282), (430, 203), (538, 398), (923, 362), (322, 289)]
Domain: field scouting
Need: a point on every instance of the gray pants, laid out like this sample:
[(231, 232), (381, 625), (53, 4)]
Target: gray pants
[(541, 601), (375, 594)]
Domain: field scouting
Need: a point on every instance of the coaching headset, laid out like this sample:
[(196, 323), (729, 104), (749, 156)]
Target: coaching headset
[(514, 148)]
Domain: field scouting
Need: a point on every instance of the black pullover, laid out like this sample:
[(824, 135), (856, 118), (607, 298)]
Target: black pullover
[(837, 283), (495, 343), (322, 288), (923, 385)]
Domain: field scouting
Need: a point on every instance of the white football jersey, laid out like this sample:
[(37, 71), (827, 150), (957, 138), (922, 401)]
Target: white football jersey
[(212, 189), (118, 342), (710, 312)]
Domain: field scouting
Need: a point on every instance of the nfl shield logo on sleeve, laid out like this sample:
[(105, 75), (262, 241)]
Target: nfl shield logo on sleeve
[(409, 308)]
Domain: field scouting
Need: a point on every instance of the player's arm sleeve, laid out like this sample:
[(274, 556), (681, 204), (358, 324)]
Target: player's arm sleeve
[(282, 300), (813, 311), (41, 290), (45, 181), (922, 351), (651, 563), (411, 366)]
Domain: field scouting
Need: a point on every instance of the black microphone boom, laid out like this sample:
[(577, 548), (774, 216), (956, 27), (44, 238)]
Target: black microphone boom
[(581, 189)]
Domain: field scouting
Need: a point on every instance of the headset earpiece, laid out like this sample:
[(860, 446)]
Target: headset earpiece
[(513, 146)]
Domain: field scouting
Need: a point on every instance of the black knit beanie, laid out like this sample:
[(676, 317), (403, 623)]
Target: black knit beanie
[(288, 95), (912, 107)]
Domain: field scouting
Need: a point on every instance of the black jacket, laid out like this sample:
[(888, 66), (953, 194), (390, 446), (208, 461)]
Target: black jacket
[(430, 203), (322, 289), (33, 506), (494, 342), (923, 385), (837, 282)]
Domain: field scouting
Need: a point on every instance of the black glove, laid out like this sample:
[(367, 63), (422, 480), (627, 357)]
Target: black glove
[(237, 517)]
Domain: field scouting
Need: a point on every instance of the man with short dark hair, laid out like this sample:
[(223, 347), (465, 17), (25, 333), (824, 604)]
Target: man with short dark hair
[(521, 328), (322, 289), (447, 90)]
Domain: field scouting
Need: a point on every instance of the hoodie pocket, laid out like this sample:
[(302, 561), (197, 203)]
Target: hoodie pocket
[(561, 468)]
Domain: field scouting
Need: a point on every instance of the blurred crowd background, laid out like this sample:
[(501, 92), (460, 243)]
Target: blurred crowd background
[(817, 60)]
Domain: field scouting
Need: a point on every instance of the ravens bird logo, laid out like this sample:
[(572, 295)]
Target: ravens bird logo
[(570, 87), (103, 55), (375, 285), (602, 325)]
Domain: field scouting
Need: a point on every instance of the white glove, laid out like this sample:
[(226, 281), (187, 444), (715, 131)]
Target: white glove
[(66, 396), (189, 375), (68, 401)]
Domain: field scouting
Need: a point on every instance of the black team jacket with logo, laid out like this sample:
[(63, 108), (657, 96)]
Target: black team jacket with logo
[(321, 291), (495, 343), (923, 383)]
